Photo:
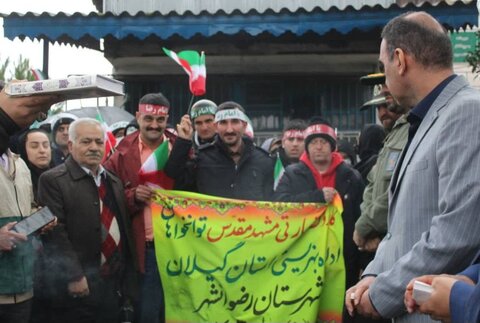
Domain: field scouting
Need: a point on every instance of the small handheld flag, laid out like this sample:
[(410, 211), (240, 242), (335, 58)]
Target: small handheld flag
[(151, 173), (278, 171), (193, 64), (110, 140), (37, 74)]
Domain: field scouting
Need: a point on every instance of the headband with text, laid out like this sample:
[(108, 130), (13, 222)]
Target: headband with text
[(320, 129), (203, 110), (293, 134), (154, 109), (230, 114)]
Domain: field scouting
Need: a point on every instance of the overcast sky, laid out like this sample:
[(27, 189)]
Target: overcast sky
[(64, 60)]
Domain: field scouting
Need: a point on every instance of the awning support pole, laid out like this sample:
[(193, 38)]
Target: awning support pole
[(45, 57)]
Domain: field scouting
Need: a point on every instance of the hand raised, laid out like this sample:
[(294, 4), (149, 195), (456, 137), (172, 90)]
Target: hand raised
[(185, 128)]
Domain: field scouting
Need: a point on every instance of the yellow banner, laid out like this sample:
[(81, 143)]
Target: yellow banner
[(224, 260)]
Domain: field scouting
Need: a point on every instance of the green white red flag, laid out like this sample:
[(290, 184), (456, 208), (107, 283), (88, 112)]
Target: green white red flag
[(278, 172), (110, 140), (151, 173), (37, 74), (193, 64)]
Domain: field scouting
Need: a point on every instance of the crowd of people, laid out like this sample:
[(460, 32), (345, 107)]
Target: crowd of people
[(409, 197)]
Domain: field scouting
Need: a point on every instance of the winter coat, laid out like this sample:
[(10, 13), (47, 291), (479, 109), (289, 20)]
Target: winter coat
[(369, 144), (73, 247), (373, 219), (125, 163), (16, 266), (298, 185), (213, 171)]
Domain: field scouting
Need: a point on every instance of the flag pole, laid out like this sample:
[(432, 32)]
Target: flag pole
[(104, 125), (190, 104)]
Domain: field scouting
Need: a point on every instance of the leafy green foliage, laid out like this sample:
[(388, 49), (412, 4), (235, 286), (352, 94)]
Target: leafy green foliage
[(21, 69), (3, 68), (473, 58)]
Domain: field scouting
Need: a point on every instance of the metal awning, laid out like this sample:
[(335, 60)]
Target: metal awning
[(87, 30), (197, 7)]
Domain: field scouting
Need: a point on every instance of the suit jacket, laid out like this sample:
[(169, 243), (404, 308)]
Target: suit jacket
[(433, 220), (72, 248)]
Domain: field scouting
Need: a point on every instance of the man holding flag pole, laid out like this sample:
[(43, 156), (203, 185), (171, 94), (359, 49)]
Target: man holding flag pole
[(139, 161)]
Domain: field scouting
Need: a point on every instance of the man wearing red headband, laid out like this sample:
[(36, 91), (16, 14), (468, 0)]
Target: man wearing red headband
[(126, 162), (320, 174), (292, 147), (293, 144)]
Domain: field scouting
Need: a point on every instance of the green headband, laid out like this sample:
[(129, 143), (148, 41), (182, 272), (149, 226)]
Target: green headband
[(230, 114), (202, 110)]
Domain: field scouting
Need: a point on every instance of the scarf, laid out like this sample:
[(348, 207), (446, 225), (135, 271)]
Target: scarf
[(326, 179)]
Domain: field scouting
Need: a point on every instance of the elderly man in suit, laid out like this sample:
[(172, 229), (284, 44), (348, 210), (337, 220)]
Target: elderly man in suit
[(90, 252), (434, 200)]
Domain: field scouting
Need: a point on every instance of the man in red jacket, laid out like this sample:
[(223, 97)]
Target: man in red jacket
[(126, 162)]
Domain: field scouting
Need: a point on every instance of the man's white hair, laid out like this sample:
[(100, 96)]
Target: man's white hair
[(72, 130)]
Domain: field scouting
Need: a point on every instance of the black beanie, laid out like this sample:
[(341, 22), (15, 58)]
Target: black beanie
[(312, 132), (59, 122)]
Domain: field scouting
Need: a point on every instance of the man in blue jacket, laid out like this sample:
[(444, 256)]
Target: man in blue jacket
[(453, 299)]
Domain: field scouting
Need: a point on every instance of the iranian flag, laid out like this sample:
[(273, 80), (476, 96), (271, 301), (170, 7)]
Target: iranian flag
[(37, 74), (193, 64), (278, 172), (110, 140), (151, 173)]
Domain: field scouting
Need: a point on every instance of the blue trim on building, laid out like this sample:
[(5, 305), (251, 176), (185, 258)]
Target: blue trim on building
[(142, 25)]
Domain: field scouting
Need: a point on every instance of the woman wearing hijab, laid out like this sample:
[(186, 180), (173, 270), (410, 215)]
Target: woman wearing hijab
[(35, 150)]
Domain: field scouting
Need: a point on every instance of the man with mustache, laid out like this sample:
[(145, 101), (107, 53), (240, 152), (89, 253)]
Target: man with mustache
[(60, 138), (231, 167), (90, 253), (372, 224), (131, 153)]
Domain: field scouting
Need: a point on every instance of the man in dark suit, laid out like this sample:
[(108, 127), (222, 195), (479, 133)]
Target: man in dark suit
[(90, 252)]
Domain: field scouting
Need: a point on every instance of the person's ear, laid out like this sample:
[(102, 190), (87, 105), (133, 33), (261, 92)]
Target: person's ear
[(400, 60)]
